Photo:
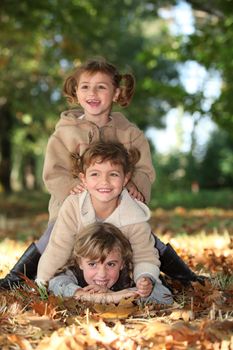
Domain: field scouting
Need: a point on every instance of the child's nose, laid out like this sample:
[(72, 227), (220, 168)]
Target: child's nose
[(92, 90), (104, 179), (102, 271)]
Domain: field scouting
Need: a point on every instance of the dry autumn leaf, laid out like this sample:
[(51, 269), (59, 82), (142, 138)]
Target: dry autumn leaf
[(124, 309), (186, 315), (66, 324)]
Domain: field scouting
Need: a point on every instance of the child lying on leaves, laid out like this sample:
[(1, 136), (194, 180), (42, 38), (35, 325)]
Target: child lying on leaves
[(100, 270)]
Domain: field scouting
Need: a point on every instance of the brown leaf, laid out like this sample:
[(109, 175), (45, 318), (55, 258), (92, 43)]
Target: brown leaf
[(44, 308), (111, 311), (184, 332), (44, 322)]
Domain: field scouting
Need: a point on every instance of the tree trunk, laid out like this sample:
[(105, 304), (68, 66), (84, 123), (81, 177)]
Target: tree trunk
[(6, 124)]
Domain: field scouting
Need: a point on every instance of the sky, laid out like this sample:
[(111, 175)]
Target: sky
[(194, 77)]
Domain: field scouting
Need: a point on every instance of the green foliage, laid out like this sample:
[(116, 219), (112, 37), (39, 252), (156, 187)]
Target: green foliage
[(187, 199), (43, 292), (42, 41), (212, 169), (222, 281), (216, 168), (211, 45)]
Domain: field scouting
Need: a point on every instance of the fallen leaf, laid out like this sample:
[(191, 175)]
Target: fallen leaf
[(122, 310)]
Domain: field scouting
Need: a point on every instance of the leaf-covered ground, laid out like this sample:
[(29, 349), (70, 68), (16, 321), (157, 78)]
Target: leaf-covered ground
[(200, 318)]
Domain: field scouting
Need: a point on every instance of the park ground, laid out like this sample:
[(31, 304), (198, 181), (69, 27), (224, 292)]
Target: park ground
[(200, 318)]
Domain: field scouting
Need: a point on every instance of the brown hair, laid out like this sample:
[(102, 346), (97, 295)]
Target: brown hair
[(103, 151), (125, 82)]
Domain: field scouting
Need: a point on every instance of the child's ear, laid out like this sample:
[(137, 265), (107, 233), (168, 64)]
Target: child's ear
[(116, 95), (81, 177), (80, 265), (127, 178)]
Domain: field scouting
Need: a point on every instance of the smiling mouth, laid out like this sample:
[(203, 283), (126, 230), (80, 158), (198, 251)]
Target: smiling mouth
[(104, 190), (101, 283), (93, 103)]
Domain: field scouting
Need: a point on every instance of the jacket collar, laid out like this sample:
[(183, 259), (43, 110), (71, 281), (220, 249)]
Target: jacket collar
[(129, 211), (72, 117)]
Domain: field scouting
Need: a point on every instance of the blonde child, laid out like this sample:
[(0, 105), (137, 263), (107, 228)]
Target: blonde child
[(100, 269), (94, 87)]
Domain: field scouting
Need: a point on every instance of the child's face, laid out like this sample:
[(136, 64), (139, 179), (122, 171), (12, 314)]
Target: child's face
[(96, 93), (105, 182), (103, 274)]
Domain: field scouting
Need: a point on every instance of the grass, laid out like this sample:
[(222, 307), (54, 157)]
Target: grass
[(222, 281), (189, 200), (23, 203), (32, 202)]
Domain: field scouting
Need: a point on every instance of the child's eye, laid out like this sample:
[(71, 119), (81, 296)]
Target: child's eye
[(111, 264), (93, 174), (114, 174), (101, 86), (92, 264), (84, 87)]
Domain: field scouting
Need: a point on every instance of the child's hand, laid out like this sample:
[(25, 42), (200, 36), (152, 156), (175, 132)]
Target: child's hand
[(105, 298), (133, 191), (78, 188), (144, 286), (94, 288), (89, 290)]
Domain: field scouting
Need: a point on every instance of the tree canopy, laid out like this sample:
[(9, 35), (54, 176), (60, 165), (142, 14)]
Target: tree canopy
[(42, 41), (211, 45)]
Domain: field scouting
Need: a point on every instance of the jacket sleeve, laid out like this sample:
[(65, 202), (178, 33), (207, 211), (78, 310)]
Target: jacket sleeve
[(160, 294), (60, 245), (144, 174), (65, 284), (57, 169), (145, 256)]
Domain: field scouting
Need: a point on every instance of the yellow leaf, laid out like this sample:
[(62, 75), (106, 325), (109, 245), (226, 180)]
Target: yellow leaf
[(119, 311)]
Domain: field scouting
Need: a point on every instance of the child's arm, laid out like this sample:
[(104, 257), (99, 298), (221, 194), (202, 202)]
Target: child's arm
[(133, 191), (144, 174), (57, 169), (67, 285), (144, 286), (145, 255), (94, 288), (61, 242), (78, 188), (105, 298), (64, 284)]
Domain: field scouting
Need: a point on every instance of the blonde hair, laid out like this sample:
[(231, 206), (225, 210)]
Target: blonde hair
[(97, 240), (125, 82), (102, 151)]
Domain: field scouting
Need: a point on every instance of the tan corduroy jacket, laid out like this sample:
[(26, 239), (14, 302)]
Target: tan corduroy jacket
[(72, 134), (130, 217)]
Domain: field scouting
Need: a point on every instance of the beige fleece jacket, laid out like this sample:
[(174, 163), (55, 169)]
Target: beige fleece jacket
[(130, 217), (73, 133)]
